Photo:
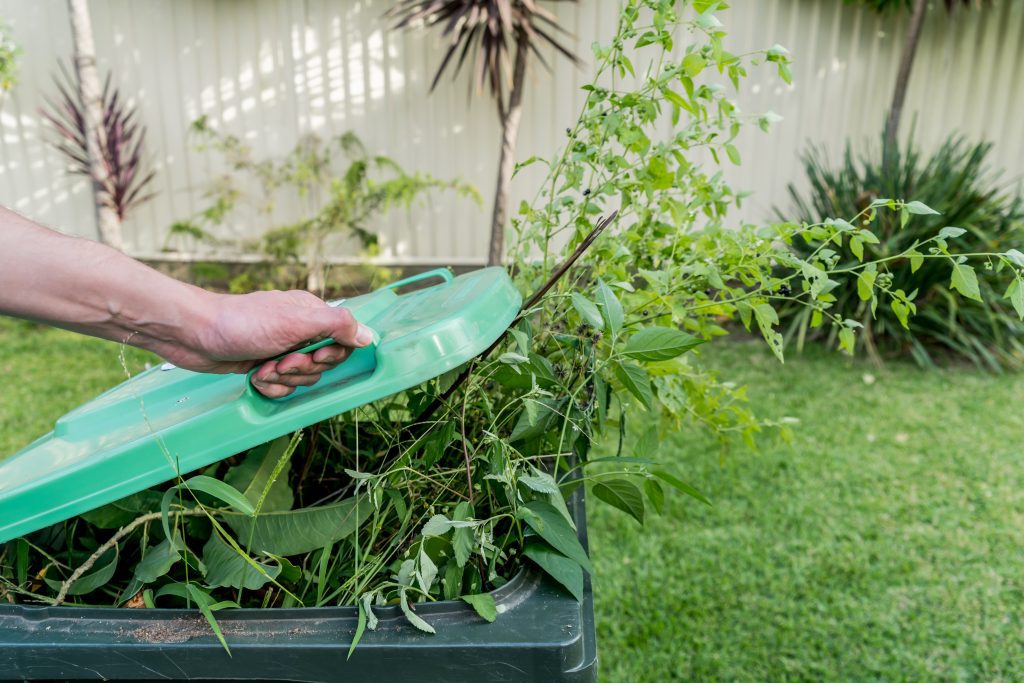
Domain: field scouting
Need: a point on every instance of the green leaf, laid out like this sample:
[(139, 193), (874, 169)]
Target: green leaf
[(680, 485), (1015, 257), (549, 524), (677, 99), (158, 561), (622, 494), (732, 153), (21, 560), (207, 611), (371, 618), (97, 579), (659, 343), (536, 418), (557, 566), (464, 537), (204, 484), (866, 284), (225, 567), (857, 247), (611, 309), (254, 473), (413, 618), (438, 525), (619, 459), (766, 319), (426, 572), (301, 531), (588, 310), (965, 281), (360, 630), (636, 381), (916, 260), (655, 494), (1015, 293), (221, 491), (921, 209), (950, 232), (539, 481), (453, 580), (693, 64), (484, 605), (902, 312), (847, 339)]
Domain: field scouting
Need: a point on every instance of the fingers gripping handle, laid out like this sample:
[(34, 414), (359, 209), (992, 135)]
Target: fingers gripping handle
[(371, 348), (443, 273)]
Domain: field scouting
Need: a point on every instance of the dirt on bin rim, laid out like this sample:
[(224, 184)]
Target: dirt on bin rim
[(183, 630)]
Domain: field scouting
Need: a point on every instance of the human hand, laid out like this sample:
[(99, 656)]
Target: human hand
[(239, 331)]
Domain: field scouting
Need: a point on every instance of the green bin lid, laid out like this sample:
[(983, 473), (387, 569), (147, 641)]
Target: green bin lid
[(168, 421)]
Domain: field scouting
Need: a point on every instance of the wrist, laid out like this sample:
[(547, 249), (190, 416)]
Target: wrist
[(171, 315)]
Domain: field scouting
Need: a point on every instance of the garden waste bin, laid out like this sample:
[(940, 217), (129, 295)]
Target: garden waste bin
[(167, 422)]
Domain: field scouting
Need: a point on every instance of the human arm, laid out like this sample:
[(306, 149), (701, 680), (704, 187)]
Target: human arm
[(84, 286)]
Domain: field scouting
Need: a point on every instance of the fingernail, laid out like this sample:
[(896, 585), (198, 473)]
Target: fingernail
[(364, 335), (271, 377)]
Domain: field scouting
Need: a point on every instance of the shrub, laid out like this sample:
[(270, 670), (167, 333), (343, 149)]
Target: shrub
[(957, 183), (341, 201)]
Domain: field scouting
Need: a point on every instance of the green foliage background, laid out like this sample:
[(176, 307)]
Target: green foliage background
[(957, 183)]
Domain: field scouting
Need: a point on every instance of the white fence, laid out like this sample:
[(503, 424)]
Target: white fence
[(273, 70)]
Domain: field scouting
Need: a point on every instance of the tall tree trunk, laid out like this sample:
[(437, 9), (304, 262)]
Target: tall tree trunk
[(899, 93), (91, 95), (510, 120)]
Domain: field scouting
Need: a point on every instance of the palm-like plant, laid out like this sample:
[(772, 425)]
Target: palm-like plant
[(501, 34), (125, 177)]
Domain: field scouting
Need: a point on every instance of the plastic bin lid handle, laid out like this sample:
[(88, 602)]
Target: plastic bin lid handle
[(443, 273)]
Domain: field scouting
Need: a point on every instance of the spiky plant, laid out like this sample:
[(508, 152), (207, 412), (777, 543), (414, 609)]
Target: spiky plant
[(501, 34), (123, 143)]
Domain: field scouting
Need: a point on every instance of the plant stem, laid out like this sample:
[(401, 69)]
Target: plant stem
[(465, 449), (899, 93), (114, 540), (511, 117)]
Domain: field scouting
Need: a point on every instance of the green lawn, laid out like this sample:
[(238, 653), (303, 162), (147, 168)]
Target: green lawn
[(886, 543)]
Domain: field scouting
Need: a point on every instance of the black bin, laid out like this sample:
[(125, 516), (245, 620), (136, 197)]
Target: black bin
[(544, 634)]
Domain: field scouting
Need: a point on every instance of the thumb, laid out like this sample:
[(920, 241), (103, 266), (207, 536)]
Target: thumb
[(340, 325)]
